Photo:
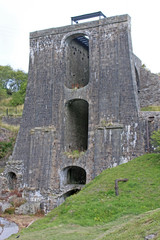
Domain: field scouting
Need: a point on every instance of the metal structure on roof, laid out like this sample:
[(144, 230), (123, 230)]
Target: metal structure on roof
[(87, 16)]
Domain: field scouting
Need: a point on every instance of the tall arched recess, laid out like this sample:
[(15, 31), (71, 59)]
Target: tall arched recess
[(77, 61), (76, 125)]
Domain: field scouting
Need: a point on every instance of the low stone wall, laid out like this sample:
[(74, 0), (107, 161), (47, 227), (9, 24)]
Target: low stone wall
[(12, 120)]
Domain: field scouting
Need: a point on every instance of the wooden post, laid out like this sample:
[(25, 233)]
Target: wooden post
[(116, 184)]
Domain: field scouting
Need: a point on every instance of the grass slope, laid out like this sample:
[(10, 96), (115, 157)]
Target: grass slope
[(96, 213), (6, 108), (151, 108)]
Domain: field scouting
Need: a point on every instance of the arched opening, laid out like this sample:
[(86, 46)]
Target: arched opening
[(77, 60), (76, 125), (12, 179), (69, 193), (73, 175), (76, 175)]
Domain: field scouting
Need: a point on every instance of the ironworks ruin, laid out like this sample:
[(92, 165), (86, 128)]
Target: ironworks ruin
[(82, 109)]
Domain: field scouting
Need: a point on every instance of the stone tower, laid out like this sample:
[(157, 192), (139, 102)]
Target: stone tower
[(81, 112)]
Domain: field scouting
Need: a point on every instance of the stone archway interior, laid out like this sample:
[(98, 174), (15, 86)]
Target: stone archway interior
[(12, 178), (77, 62)]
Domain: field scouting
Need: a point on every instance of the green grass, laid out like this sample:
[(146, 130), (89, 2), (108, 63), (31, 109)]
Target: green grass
[(1, 169), (126, 228), (136, 228), (74, 154), (6, 145), (96, 213), (5, 108), (151, 108), (13, 128)]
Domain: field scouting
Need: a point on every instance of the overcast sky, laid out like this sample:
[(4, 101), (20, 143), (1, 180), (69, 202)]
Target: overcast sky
[(19, 17)]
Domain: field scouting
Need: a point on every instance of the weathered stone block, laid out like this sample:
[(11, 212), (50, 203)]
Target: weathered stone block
[(27, 208)]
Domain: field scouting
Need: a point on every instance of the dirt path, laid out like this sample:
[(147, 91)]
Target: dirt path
[(22, 221)]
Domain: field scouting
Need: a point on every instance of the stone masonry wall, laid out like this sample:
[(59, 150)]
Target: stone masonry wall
[(149, 88), (12, 120), (102, 117)]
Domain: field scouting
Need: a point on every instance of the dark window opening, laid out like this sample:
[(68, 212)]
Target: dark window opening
[(76, 125), (151, 119), (12, 178), (76, 175), (137, 80), (72, 175), (75, 63)]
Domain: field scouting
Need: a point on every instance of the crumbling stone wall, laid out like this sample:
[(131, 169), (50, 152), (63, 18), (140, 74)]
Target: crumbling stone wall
[(149, 94), (100, 115), (12, 120), (150, 122)]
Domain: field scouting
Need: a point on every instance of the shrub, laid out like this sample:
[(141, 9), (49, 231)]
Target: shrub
[(15, 192), (6, 146), (155, 140), (10, 210), (74, 154), (17, 201), (40, 212)]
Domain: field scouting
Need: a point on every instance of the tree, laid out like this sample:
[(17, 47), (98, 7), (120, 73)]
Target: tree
[(19, 96), (11, 80), (13, 83), (155, 140), (2, 93)]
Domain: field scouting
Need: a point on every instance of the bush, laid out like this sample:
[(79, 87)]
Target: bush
[(156, 140), (13, 83), (10, 210), (6, 146), (17, 201), (19, 96), (74, 154), (17, 99)]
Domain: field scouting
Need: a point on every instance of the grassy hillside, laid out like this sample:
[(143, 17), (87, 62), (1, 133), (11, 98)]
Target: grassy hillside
[(96, 213), (151, 108), (6, 108)]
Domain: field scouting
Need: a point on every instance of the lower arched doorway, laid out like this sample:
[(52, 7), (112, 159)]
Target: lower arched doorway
[(12, 180)]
